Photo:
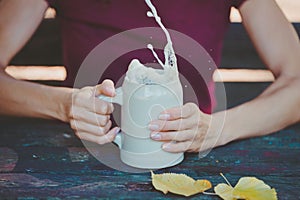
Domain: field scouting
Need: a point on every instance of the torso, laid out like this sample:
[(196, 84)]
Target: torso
[(87, 23)]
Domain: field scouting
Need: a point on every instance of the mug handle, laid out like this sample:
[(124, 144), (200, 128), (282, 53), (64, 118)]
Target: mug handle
[(118, 99)]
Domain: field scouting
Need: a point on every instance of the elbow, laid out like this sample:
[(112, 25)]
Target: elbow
[(294, 84), (297, 86), (291, 77), (288, 81), (288, 70), (287, 65)]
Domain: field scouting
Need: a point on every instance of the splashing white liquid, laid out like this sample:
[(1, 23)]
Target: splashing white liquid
[(139, 73)]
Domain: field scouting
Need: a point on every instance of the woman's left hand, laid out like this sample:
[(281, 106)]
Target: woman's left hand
[(182, 128)]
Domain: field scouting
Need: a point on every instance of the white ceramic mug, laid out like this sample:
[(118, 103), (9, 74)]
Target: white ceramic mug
[(140, 104)]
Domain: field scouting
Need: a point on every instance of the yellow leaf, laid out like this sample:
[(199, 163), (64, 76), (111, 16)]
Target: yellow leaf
[(248, 188), (179, 184), (224, 191)]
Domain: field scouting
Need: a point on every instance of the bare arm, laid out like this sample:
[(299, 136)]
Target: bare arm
[(278, 45), (18, 21), (88, 116)]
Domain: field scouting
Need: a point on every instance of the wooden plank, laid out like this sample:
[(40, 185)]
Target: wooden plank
[(242, 75), (42, 73)]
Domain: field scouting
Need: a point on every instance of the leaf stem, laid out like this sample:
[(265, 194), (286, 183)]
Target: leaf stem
[(225, 179)]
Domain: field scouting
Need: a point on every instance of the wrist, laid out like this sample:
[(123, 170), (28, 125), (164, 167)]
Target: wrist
[(220, 129), (64, 103)]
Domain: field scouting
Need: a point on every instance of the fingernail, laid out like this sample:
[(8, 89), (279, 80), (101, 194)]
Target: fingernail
[(117, 130), (153, 127), (164, 116), (110, 90), (166, 146), (156, 136)]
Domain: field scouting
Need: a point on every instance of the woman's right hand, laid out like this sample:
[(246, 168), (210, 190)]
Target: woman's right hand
[(89, 116)]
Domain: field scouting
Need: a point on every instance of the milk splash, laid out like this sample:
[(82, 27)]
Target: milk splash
[(137, 72)]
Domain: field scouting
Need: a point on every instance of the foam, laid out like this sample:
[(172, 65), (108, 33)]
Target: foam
[(141, 74)]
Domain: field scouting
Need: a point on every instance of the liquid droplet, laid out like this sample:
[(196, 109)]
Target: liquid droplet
[(149, 14), (149, 46)]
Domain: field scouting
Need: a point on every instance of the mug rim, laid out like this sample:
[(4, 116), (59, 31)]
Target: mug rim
[(135, 83)]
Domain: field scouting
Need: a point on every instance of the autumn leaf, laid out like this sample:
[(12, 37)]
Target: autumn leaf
[(248, 188), (179, 184)]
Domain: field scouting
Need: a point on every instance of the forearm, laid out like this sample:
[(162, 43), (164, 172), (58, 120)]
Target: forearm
[(22, 98), (273, 110)]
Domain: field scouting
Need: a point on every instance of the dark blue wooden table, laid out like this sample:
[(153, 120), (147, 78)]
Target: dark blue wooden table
[(42, 159)]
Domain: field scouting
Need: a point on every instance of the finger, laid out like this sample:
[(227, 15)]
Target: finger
[(184, 111), (176, 147), (174, 136), (102, 107), (90, 117), (175, 125), (109, 137), (80, 126), (93, 105), (106, 88)]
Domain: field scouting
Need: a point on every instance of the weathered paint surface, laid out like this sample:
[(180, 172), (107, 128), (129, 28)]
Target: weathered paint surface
[(43, 159)]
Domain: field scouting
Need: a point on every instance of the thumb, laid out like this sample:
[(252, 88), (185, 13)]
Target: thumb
[(106, 88)]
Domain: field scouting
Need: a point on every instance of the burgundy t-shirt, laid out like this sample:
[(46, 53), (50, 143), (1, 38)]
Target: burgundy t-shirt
[(85, 24)]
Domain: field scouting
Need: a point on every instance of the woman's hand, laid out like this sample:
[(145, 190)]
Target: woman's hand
[(183, 129), (90, 116)]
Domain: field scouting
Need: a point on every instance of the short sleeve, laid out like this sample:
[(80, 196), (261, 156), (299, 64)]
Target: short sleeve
[(237, 3)]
